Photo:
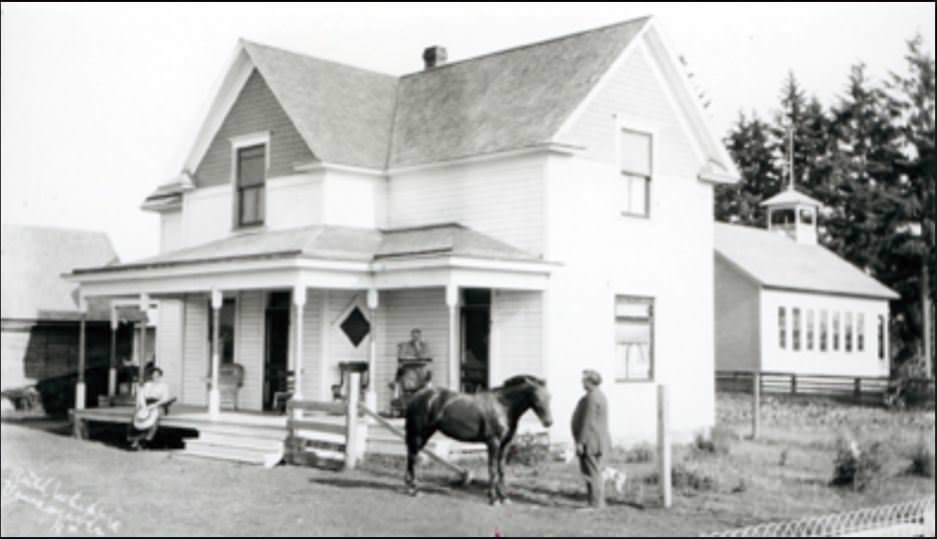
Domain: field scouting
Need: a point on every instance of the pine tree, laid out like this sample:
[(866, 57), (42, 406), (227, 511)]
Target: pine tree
[(750, 144), (910, 246)]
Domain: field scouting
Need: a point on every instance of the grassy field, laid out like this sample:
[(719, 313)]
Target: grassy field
[(783, 475)]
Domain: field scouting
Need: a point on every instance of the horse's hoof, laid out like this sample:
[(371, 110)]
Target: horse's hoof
[(466, 478), (506, 501)]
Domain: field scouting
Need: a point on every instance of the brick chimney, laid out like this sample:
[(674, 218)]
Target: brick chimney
[(434, 56)]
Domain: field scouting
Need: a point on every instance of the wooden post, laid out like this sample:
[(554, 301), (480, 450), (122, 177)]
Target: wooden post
[(299, 304), (80, 386), (857, 388), (455, 363), (214, 392), (663, 445), (144, 304), (351, 420), (112, 359), (793, 384), (756, 403), (370, 396)]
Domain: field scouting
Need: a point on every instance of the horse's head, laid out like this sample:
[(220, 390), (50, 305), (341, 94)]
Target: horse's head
[(538, 397)]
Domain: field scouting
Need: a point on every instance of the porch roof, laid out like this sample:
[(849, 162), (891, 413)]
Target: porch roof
[(335, 243)]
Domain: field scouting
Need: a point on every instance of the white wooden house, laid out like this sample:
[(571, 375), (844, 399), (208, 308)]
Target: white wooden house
[(786, 304), (547, 207)]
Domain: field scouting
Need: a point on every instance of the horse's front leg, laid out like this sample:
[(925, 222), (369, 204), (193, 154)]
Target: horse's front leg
[(493, 458), (502, 456), (413, 451)]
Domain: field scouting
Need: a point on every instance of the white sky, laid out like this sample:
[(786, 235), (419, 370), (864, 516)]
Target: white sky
[(99, 102)]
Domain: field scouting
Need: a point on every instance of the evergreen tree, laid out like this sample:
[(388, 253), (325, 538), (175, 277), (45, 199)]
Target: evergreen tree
[(750, 144)]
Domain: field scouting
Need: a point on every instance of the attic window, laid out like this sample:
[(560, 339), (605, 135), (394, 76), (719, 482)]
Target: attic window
[(251, 176), (355, 326)]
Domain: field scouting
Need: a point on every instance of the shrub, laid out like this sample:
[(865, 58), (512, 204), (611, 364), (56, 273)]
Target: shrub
[(719, 441), (640, 453), (909, 385), (857, 467), (922, 457), (687, 478), (529, 450)]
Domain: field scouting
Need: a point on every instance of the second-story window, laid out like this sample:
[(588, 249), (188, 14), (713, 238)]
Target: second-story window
[(251, 175), (636, 164)]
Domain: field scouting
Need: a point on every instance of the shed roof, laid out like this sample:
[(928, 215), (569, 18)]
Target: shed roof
[(338, 243), (33, 261), (774, 260)]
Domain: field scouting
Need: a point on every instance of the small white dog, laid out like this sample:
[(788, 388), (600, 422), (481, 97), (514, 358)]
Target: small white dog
[(619, 478)]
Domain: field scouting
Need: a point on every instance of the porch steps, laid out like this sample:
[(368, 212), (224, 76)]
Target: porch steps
[(251, 444)]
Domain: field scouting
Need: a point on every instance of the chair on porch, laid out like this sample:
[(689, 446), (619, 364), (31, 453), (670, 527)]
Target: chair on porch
[(344, 367), (280, 398), (230, 380)]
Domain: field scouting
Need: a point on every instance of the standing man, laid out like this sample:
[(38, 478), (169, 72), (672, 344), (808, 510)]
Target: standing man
[(413, 372), (593, 442)]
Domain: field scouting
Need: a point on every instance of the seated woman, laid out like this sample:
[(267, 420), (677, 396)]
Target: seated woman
[(152, 400)]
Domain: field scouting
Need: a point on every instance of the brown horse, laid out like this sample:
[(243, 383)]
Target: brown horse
[(490, 417)]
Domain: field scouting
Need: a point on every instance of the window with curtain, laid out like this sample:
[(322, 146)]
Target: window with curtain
[(634, 339), (636, 166), (809, 329), (860, 332), (251, 176), (881, 337)]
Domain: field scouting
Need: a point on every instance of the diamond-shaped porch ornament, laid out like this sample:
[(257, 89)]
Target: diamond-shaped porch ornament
[(355, 326)]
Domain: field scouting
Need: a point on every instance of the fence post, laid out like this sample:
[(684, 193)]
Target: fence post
[(857, 388), (351, 420), (663, 444), (756, 403), (793, 384)]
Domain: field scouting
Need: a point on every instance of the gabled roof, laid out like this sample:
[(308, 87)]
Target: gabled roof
[(791, 197), (775, 261), (337, 243), (343, 113), (33, 262), (511, 99)]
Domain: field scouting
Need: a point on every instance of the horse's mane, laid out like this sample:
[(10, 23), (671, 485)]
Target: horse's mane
[(522, 379)]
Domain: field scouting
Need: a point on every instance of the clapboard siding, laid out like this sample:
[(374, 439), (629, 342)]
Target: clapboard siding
[(403, 310), (339, 347), (517, 326), (195, 354), (502, 198), (736, 319), (634, 90), (256, 109), (169, 346), (250, 347)]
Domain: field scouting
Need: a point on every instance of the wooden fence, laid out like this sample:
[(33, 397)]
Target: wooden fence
[(858, 388)]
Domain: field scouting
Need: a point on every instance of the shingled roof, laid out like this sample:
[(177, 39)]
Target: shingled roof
[(33, 262), (774, 260), (337, 243)]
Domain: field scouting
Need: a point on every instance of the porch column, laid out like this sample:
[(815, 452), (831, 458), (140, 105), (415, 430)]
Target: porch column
[(214, 393), (370, 397), (144, 303), (299, 301), (112, 359), (452, 301), (80, 386)]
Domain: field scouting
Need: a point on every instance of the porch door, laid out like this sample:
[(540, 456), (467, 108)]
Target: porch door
[(276, 345), (476, 330)]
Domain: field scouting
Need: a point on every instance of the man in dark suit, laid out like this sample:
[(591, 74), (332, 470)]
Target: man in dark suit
[(593, 442)]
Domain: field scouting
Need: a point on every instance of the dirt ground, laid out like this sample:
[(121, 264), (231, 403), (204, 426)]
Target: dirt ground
[(54, 484)]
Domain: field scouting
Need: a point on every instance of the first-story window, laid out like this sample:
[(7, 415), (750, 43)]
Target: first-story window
[(634, 338), (795, 329), (881, 337), (782, 328), (835, 331), (809, 329), (636, 166), (860, 332), (823, 329), (847, 341), (251, 176)]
